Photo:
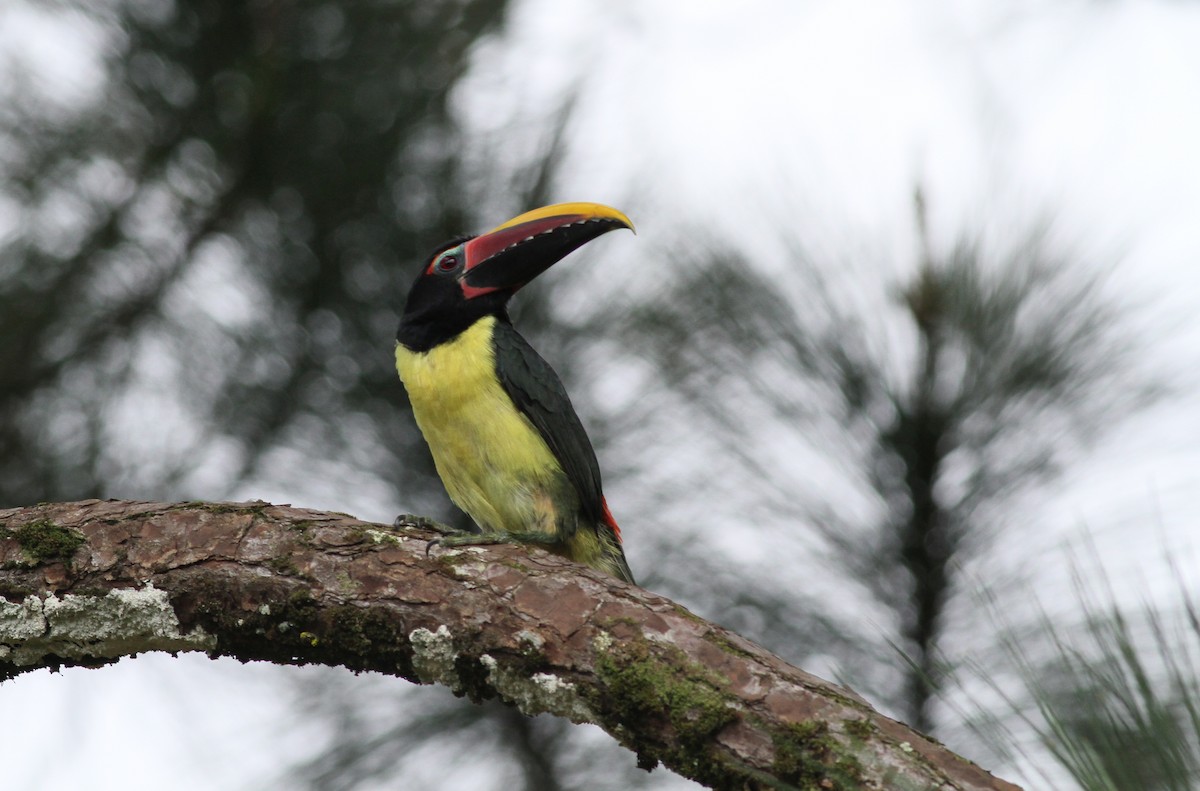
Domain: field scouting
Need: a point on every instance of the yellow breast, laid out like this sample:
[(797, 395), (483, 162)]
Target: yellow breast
[(493, 462)]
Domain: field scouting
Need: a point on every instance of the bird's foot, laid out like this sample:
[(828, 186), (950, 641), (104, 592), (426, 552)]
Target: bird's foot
[(461, 539), (410, 521)]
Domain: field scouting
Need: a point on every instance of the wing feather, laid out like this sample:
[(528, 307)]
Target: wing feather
[(539, 394)]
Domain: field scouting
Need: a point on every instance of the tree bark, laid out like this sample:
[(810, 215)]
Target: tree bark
[(89, 582)]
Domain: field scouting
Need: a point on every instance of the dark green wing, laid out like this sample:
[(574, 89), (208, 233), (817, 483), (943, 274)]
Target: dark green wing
[(537, 391)]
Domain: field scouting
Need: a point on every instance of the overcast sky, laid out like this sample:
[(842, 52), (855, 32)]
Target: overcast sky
[(819, 114)]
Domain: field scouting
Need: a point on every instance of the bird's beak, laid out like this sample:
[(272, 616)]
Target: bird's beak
[(514, 253)]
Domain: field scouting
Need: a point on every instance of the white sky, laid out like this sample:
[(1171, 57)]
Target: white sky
[(742, 116)]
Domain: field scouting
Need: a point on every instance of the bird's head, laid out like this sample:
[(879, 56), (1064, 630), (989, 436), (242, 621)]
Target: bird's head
[(471, 277)]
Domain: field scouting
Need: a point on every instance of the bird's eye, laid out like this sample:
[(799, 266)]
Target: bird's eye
[(448, 263)]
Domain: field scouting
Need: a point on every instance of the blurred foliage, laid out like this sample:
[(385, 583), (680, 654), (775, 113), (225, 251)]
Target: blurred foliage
[(902, 426), (1114, 699), (212, 243), (389, 738)]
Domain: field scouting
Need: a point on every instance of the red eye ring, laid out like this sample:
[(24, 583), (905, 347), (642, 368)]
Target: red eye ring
[(447, 263)]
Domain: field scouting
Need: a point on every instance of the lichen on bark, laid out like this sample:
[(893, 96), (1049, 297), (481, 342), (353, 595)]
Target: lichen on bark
[(90, 628)]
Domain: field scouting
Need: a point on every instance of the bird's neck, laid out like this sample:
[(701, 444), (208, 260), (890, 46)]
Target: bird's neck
[(420, 332)]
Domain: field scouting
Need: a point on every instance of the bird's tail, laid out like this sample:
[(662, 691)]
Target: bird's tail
[(614, 554)]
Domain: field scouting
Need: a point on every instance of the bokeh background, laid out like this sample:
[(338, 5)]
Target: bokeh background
[(898, 377)]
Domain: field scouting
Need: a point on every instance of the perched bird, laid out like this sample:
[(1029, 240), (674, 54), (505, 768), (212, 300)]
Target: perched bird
[(504, 436)]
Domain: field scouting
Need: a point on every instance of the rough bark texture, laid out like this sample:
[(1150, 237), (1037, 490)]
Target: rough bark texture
[(86, 583)]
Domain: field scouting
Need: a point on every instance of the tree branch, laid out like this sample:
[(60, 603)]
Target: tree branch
[(89, 582)]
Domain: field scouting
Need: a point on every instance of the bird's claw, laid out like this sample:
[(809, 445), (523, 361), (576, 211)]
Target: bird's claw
[(411, 521), (463, 539)]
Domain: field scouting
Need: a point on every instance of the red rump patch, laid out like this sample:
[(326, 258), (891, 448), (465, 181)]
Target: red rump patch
[(608, 519)]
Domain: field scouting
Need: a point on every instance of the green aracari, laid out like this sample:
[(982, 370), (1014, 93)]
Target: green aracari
[(505, 438)]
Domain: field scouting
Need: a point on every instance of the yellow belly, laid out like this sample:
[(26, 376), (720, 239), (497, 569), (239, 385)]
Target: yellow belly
[(493, 462)]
